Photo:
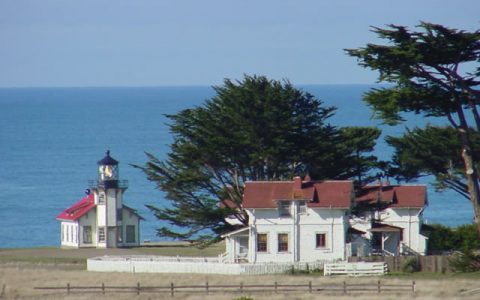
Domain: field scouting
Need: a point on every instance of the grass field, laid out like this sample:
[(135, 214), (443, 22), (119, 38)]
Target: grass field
[(79, 256), (23, 269)]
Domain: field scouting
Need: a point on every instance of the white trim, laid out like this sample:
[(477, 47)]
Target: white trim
[(234, 232)]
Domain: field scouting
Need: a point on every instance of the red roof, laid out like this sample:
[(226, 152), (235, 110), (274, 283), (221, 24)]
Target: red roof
[(264, 194), (395, 195), (78, 209)]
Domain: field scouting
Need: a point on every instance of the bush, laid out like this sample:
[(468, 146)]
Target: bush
[(465, 261), (446, 239), (410, 265)]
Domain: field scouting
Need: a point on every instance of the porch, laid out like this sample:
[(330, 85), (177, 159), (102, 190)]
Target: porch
[(236, 244), (385, 239)]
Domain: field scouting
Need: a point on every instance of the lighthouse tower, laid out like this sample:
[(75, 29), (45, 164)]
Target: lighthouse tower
[(108, 194), (101, 219)]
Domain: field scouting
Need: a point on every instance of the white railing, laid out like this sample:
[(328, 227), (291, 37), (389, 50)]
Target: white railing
[(406, 250), (356, 269), (223, 257), (202, 265), (155, 258)]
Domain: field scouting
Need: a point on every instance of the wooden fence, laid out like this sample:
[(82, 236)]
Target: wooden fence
[(356, 269), (241, 288), (428, 263)]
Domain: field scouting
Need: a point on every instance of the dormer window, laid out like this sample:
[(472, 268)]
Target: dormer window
[(284, 209)]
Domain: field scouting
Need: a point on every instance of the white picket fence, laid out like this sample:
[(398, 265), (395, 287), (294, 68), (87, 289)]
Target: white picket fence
[(355, 269), (199, 265)]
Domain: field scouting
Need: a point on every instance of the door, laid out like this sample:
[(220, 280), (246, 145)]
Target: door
[(242, 248), (112, 237)]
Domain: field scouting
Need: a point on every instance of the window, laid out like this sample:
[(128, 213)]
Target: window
[(283, 242), (130, 230), (401, 234), (101, 235), (71, 233), (119, 234), (321, 240), (87, 234), (284, 208), (63, 232), (75, 234), (262, 242), (302, 207), (101, 198), (119, 214)]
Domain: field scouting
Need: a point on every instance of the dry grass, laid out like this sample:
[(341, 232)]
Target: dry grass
[(58, 255), (21, 278)]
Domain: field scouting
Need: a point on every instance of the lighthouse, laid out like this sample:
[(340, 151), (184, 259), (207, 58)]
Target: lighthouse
[(101, 219)]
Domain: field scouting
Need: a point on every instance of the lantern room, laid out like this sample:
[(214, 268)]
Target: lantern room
[(108, 171)]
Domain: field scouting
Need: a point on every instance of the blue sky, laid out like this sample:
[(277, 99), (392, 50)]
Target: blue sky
[(192, 42)]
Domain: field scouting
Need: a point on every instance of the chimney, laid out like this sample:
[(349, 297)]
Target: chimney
[(297, 183), (297, 187)]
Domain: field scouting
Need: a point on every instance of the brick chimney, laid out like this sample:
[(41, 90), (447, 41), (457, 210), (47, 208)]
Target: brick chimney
[(297, 183), (297, 187)]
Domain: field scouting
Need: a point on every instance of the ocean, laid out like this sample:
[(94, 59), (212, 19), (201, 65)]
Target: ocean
[(52, 138)]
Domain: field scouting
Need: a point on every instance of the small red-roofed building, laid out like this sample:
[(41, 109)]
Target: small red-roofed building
[(100, 219), (305, 221)]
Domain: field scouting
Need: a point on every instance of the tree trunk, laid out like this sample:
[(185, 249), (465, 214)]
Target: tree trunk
[(470, 170)]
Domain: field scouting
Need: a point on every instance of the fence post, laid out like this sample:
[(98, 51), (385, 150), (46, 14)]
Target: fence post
[(310, 286), (206, 287), (344, 287), (68, 288), (171, 289), (103, 288), (276, 287), (379, 286), (413, 288)]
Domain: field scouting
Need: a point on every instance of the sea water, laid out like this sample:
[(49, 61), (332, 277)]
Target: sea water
[(52, 138)]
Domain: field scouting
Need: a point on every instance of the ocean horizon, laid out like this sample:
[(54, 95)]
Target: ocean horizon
[(52, 137)]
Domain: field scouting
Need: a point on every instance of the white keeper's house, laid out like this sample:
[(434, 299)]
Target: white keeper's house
[(101, 219), (305, 220)]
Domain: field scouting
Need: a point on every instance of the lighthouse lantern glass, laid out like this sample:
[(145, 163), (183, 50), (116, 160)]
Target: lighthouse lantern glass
[(107, 172)]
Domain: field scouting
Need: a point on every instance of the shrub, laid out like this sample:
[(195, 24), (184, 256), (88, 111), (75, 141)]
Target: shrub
[(443, 238), (410, 265), (465, 261)]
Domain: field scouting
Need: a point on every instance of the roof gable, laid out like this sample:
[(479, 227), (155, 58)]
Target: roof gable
[(394, 195), (265, 194), (79, 209)]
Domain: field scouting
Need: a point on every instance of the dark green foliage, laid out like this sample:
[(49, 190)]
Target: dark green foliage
[(445, 239), (254, 129), (429, 72), (431, 151), (465, 261), (426, 68), (362, 141), (410, 265)]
